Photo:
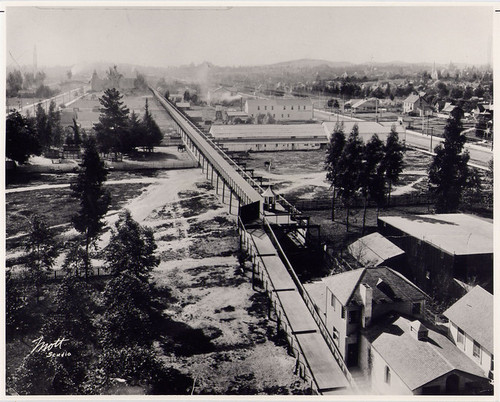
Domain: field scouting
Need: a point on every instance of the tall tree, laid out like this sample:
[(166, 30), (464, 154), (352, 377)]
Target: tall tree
[(333, 153), (393, 160), (131, 248), (349, 168), (372, 174), (112, 127), (21, 141), (54, 122), (126, 319), (42, 126), (153, 134), (14, 83), (42, 250), (94, 199), (449, 172), (114, 77)]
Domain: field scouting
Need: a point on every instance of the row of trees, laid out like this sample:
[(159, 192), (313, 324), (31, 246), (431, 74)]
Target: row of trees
[(119, 132), (16, 81), (27, 135), (358, 170), (107, 327)]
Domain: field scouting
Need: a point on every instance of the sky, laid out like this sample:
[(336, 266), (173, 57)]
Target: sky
[(231, 36)]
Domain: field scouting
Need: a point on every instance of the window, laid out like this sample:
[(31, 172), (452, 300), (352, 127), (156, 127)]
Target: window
[(274, 115), (272, 108), (292, 107), (476, 350), (265, 107), (353, 317), (284, 107), (335, 335), (282, 115), (387, 376), (304, 108), (288, 115), (415, 308), (258, 107), (343, 312), (333, 302), (460, 336)]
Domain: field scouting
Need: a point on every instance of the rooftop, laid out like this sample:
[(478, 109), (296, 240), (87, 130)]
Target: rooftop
[(412, 98), (458, 234), (281, 101), (365, 128), (269, 130), (373, 250), (474, 314), (345, 286), (417, 362)]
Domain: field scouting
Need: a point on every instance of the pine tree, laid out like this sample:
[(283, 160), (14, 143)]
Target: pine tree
[(393, 160), (54, 125), (449, 172), (131, 248), (349, 169), (372, 174), (94, 199), (42, 126), (42, 250), (153, 134), (333, 153), (112, 128)]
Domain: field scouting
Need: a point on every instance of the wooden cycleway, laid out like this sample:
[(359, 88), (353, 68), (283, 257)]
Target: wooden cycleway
[(317, 358)]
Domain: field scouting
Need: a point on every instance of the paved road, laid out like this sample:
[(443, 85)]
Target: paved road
[(479, 156)]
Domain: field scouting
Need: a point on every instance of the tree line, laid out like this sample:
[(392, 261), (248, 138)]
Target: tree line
[(367, 172), (116, 131), (106, 326), (358, 170)]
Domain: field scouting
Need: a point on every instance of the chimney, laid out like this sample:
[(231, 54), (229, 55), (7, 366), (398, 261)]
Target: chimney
[(367, 297), (418, 330)]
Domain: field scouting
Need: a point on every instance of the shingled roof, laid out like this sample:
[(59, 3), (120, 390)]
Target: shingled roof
[(345, 286), (474, 314), (417, 362)]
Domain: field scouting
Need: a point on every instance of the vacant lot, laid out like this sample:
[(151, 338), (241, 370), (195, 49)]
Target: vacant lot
[(215, 327)]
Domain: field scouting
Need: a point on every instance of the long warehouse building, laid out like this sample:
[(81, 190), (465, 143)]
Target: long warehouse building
[(270, 137)]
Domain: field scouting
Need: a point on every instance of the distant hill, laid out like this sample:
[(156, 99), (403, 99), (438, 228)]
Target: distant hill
[(310, 63)]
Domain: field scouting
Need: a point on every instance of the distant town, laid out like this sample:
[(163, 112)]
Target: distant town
[(300, 228)]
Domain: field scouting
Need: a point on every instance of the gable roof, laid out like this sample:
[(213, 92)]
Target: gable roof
[(396, 287), (417, 362), (412, 98), (458, 234), (474, 314), (374, 249)]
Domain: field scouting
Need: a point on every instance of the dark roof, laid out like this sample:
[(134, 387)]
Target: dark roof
[(387, 285), (417, 362), (474, 314)]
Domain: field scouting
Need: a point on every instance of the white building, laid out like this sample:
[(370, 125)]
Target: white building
[(471, 327), (270, 137), (281, 109)]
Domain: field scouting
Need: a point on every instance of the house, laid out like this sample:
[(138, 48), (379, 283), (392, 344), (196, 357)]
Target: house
[(365, 105), (270, 137), (441, 247), (375, 250), (471, 327), (354, 299), (281, 109), (416, 104), (223, 94), (400, 355), (446, 110)]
